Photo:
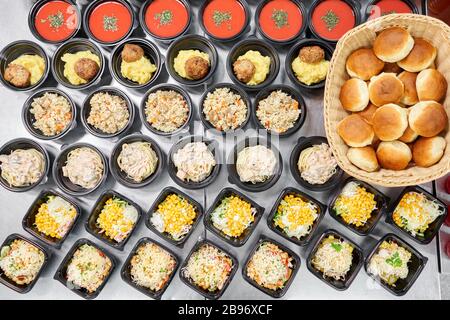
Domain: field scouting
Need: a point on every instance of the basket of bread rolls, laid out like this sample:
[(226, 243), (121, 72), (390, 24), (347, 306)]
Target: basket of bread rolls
[(386, 100)]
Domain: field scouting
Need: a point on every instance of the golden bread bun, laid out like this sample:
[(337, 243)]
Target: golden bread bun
[(431, 85), (428, 151), (427, 118), (408, 136), (363, 64), (354, 95), (409, 82), (393, 155), (393, 44), (390, 122), (385, 88), (392, 67), (364, 158), (421, 56), (355, 131), (367, 113)]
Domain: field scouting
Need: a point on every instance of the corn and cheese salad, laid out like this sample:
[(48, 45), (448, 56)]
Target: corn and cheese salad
[(333, 258), (152, 266), (415, 212), (296, 216), (21, 261), (117, 219), (55, 217), (355, 204), (208, 268), (88, 268), (233, 215), (175, 216), (390, 263), (270, 267)]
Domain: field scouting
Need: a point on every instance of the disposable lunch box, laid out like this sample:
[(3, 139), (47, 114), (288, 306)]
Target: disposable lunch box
[(295, 262), (91, 223), (432, 229), (30, 218), (357, 262), (161, 197), (125, 273), (320, 214), (242, 239), (208, 294), (373, 3), (23, 288), (415, 266), (61, 276)]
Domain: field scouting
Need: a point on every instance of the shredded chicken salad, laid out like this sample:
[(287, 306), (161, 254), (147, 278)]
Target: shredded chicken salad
[(109, 113), (22, 167), (194, 162), (138, 160), (84, 167), (256, 164), (317, 164)]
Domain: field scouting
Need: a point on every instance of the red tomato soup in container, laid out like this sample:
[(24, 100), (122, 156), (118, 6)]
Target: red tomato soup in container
[(54, 21), (380, 8), (331, 19), (165, 19), (224, 19), (280, 21), (108, 22)]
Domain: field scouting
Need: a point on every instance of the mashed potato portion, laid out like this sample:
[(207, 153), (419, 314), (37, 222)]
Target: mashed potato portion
[(179, 62), (69, 68), (310, 73), (34, 64), (261, 63), (139, 71)]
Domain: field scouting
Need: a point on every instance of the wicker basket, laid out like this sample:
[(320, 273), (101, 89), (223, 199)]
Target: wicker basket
[(435, 31)]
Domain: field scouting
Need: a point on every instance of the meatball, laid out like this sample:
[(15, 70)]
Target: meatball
[(244, 70), (196, 68), (132, 52), (86, 68), (17, 75), (311, 54)]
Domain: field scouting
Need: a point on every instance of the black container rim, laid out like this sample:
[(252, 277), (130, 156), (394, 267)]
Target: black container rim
[(36, 34), (117, 149), (86, 105), (42, 54), (56, 243), (35, 145), (367, 11), (163, 87)]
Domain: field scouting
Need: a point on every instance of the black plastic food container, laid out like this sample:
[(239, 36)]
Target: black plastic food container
[(263, 94), (416, 265), (292, 191), (235, 89), (192, 42), (381, 207), (86, 110), (294, 52), (150, 51), (208, 294), (295, 267), (161, 197), (212, 146), (30, 218), (22, 288), (125, 272), (73, 46), (28, 118), (432, 229), (265, 49), (16, 49), (233, 176), (24, 143), (242, 239), (372, 7), (121, 176), (61, 275), (302, 144), (91, 223), (64, 183), (357, 262)]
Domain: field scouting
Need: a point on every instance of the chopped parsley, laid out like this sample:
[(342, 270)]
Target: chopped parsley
[(331, 20), (220, 17), (110, 23), (395, 260), (56, 20), (336, 246), (165, 17), (280, 17)]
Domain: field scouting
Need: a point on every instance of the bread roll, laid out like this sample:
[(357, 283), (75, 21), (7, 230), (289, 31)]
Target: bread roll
[(428, 151), (427, 118), (393, 44), (364, 158), (368, 112), (392, 67), (385, 88), (431, 85), (394, 155), (421, 56), (408, 136), (409, 82), (354, 95), (390, 122), (363, 64), (355, 131)]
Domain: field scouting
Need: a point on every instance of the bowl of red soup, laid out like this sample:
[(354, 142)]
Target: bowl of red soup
[(224, 20), (108, 22), (281, 21), (379, 8), (331, 19), (54, 21), (165, 20)]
